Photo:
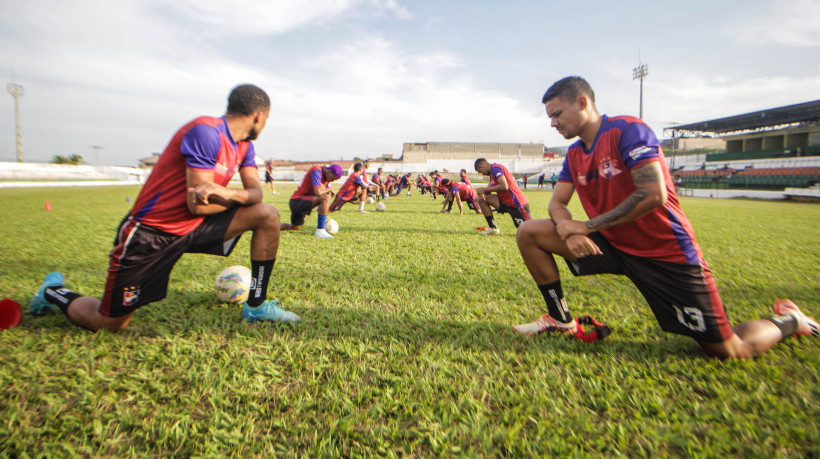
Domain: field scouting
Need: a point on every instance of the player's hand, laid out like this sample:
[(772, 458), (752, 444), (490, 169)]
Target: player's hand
[(202, 193), (581, 246), (567, 228)]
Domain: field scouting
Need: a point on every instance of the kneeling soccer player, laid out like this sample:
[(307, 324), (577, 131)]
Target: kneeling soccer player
[(314, 192), (186, 207), (636, 229)]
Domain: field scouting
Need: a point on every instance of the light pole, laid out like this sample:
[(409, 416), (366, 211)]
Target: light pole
[(639, 73), (17, 92), (97, 149)]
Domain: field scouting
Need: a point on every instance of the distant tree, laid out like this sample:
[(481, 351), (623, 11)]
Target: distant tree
[(70, 159)]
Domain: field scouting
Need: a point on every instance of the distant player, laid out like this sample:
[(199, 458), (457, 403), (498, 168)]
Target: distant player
[(269, 177), (353, 188), (186, 206), (464, 178), (636, 228), (314, 192), (502, 194), (459, 192)]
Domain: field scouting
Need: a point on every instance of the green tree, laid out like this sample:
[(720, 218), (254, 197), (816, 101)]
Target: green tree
[(70, 159)]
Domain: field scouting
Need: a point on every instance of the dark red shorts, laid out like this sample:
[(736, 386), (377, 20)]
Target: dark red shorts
[(684, 298), (143, 257)]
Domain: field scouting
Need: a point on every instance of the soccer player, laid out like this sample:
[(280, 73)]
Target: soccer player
[(314, 192), (458, 192), (464, 178), (186, 207), (353, 188), (269, 176), (508, 198), (636, 228), (378, 180)]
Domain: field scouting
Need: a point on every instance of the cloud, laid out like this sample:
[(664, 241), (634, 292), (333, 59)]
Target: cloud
[(369, 97), (786, 22)]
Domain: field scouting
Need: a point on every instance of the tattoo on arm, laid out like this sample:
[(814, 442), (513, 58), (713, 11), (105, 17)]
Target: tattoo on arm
[(641, 177)]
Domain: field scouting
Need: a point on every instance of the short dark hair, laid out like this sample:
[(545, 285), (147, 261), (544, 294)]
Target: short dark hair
[(445, 181), (246, 99), (479, 161), (357, 167), (569, 88)]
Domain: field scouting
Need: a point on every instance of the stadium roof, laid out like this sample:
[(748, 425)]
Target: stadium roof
[(763, 120)]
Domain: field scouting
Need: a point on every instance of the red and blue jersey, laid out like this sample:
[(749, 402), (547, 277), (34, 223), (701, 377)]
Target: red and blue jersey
[(203, 144), (314, 178), (464, 179), (377, 178), (348, 190), (512, 197), (601, 177), (465, 192)]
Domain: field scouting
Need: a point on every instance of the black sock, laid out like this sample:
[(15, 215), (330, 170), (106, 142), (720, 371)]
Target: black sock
[(450, 206), (61, 297), (556, 305), (491, 221), (260, 276), (787, 324)]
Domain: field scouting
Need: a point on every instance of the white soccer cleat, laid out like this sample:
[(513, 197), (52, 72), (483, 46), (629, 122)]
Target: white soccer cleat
[(806, 325), (546, 324), (322, 233), (490, 232)]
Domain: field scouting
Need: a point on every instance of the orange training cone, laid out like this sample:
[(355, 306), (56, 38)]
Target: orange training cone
[(48, 205)]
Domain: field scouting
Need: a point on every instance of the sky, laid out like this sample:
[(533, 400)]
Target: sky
[(358, 78)]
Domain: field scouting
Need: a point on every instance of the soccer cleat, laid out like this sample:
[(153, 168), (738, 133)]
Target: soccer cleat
[(546, 324), (806, 325), (599, 330), (322, 233), (490, 231), (480, 228), (269, 310), (38, 304)]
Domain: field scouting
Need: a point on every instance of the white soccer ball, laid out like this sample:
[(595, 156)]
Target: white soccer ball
[(370, 200), (380, 207), (331, 226), (233, 284), (408, 193)]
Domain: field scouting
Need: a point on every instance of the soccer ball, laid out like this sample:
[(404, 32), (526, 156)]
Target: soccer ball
[(380, 207), (233, 284), (370, 200), (331, 226), (408, 193)]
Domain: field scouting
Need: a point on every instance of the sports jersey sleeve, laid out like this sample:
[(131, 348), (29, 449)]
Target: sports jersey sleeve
[(497, 172), (565, 175), (200, 146), (358, 181), (316, 178), (250, 157), (638, 144)]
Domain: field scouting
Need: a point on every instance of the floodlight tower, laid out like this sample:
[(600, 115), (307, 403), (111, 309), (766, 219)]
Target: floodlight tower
[(96, 149), (17, 92), (639, 73)]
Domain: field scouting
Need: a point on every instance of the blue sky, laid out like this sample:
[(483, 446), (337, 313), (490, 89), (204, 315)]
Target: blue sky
[(360, 77)]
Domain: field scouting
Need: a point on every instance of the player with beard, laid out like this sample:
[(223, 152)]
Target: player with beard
[(186, 206)]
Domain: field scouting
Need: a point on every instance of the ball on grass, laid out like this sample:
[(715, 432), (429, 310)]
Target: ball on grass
[(233, 284), (331, 226)]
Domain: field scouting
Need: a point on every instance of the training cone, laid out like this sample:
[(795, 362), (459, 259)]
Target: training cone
[(48, 205), (9, 313)]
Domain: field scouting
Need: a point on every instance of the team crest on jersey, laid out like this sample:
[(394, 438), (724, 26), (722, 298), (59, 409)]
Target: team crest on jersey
[(130, 295), (607, 170)]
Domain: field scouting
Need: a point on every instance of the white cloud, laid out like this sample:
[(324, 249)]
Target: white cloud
[(786, 22)]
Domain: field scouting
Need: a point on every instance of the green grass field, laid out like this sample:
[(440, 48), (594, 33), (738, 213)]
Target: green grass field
[(405, 346)]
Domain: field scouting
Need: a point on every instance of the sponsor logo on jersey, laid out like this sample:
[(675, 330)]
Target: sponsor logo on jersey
[(640, 151)]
